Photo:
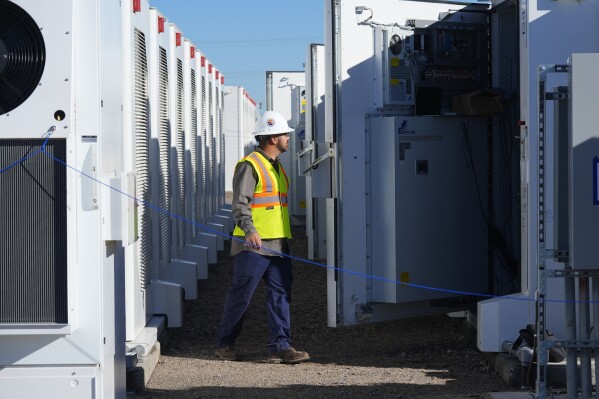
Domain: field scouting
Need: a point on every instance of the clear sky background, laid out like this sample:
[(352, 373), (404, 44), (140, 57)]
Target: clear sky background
[(245, 38)]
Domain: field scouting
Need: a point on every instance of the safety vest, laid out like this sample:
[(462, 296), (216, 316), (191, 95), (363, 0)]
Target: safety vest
[(269, 205)]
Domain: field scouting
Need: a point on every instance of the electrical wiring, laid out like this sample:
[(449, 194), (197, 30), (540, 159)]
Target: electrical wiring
[(499, 246), (368, 21)]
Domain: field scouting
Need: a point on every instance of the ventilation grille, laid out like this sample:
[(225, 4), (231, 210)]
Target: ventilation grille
[(203, 151), (221, 179), (180, 198), (142, 161), (217, 150), (222, 151), (210, 167), (33, 220), (164, 143), (194, 155)]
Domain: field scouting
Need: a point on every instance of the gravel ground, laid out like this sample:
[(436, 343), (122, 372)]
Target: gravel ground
[(425, 357)]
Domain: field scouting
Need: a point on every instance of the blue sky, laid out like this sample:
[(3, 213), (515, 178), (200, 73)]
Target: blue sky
[(244, 39)]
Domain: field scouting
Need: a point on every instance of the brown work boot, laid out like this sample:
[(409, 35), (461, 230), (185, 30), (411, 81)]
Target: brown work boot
[(288, 356), (227, 353)]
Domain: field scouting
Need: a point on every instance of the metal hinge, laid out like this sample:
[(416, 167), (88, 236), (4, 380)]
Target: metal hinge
[(329, 154), (556, 96), (304, 151)]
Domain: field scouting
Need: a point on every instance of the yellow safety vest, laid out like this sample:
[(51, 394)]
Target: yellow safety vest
[(269, 205)]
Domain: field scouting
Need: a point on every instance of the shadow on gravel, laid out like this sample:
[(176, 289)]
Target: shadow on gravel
[(433, 349), (386, 391), (417, 342)]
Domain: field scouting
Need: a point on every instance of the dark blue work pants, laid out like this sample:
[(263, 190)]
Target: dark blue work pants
[(248, 269)]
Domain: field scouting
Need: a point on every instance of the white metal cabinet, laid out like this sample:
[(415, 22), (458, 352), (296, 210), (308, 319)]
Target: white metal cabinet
[(424, 221), (83, 68)]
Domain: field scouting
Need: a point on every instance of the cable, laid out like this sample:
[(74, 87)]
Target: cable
[(302, 260), (467, 151), (368, 21), (499, 245), (19, 161)]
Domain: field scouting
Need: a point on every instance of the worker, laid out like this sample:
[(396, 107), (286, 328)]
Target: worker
[(262, 231)]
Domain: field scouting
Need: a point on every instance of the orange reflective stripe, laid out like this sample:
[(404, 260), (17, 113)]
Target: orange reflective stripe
[(284, 174), (265, 199), (273, 204), (269, 203), (258, 170), (267, 183), (267, 194), (270, 199)]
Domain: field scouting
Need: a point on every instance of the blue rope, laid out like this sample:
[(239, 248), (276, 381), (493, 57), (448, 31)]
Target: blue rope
[(149, 205), (48, 134), (302, 260), (19, 161)]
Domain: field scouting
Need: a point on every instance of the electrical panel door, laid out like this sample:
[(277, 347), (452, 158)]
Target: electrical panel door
[(584, 162), (426, 207)]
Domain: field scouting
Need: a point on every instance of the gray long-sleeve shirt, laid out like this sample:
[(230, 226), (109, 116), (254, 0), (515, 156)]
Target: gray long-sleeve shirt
[(245, 180)]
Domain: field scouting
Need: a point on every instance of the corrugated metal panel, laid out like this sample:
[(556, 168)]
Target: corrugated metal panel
[(180, 195), (33, 244), (164, 143), (194, 154), (142, 159)]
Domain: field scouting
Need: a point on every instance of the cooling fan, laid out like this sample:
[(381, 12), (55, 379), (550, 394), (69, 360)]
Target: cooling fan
[(22, 56)]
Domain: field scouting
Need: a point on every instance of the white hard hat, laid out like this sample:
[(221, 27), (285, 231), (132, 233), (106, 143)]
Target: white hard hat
[(270, 123)]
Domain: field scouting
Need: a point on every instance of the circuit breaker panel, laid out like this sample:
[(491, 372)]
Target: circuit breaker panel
[(426, 186), (451, 55), (424, 63)]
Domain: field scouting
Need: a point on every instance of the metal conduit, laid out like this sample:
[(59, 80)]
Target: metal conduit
[(584, 326), (595, 329), (571, 355)]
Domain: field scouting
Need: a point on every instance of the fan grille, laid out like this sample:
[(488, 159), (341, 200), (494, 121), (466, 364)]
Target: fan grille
[(22, 56)]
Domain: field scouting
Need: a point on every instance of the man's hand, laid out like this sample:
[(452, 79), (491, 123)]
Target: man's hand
[(253, 240)]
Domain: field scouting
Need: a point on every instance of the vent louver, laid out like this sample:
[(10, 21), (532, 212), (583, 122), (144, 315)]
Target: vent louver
[(33, 220), (180, 196), (164, 143), (142, 160), (210, 150), (203, 151), (194, 155)]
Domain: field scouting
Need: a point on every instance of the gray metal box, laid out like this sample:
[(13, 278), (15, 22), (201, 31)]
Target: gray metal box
[(425, 223), (584, 162)]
